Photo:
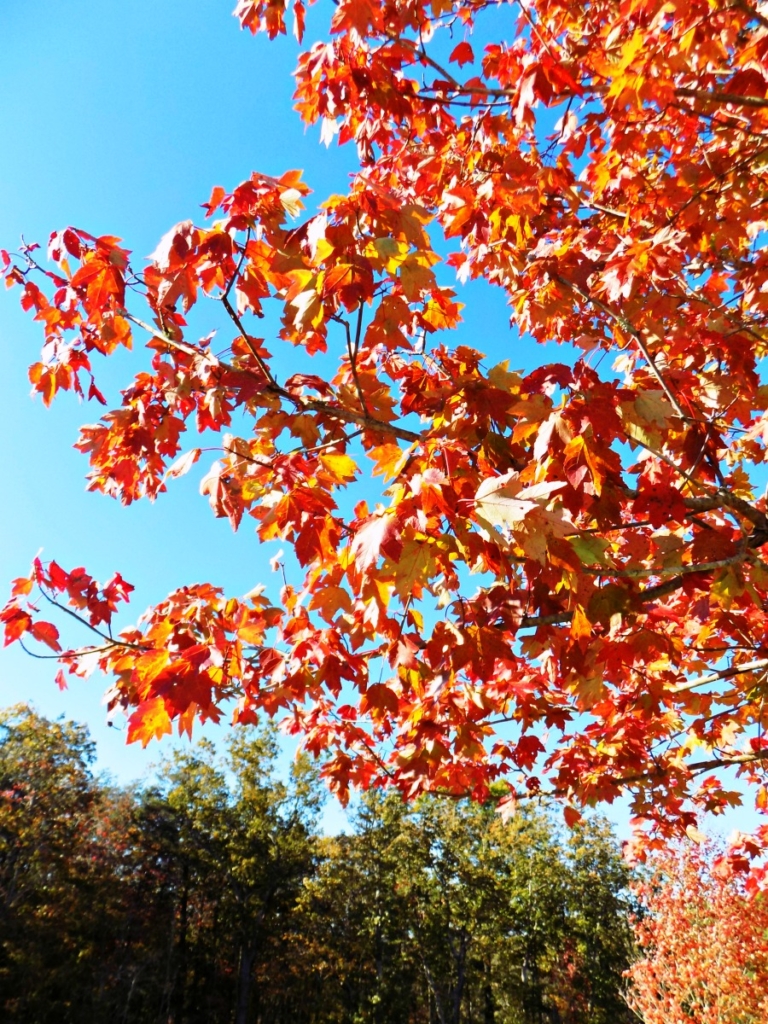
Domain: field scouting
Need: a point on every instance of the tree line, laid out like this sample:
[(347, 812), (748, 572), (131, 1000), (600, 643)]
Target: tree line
[(209, 895)]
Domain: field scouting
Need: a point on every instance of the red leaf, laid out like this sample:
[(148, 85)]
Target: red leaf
[(462, 54), (571, 815), (17, 623), (93, 392), (381, 698), (47, 634)]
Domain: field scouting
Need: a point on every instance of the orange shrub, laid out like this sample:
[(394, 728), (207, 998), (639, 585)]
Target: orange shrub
[(703, 946)]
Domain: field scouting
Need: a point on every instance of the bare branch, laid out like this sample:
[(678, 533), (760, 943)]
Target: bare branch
[(726, 673)]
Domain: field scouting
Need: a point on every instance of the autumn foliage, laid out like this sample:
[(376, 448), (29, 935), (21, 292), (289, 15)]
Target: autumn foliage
[(703, 946), (603, 164)]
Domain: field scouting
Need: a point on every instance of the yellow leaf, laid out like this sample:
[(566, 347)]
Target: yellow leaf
[(631, 48), (339, 465), (727, 587), (580, 624), (413, 569), (415, 279), (653, 407), (503, 378), (331, 600)]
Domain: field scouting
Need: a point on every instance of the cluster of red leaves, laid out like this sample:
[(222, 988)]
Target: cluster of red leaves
[(616, 635), (703, 946)]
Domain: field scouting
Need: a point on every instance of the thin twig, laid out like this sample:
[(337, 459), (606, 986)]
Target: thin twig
[(251, 347), (111, 642), (633, 331)]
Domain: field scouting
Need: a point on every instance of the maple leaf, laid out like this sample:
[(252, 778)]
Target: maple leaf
[(183, 464), (149, 721), (330, 601), (369, 540), (502, 501), (46, 633), (16, 623), (462, 54)]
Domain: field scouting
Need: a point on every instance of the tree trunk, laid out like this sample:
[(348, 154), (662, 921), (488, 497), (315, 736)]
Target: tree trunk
[(244, 983), (435, 994), (180, 988), (461, 976), (489, 1004)]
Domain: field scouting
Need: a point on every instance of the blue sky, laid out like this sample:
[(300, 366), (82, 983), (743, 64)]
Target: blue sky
[(119, 118)]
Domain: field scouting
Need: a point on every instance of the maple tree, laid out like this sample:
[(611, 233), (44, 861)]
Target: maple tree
[(703, 946), (604, 167)]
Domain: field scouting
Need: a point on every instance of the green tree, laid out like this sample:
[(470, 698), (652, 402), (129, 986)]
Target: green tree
[(241, 841), (354, 936), (208, 898), (47, 793), (171, 904), (564, 940), (443, 913)]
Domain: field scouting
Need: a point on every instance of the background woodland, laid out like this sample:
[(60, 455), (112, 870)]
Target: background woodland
[(209, 896)]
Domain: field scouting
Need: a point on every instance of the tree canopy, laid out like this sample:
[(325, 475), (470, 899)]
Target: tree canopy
[(702, 945), (206, 896), (603, 164)]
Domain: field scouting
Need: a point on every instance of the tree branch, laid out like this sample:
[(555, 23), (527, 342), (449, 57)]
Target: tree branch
[(306, 405), (110, 641), (726, 673), (681, 570), (759, 102), (726, 761), (251, 347), (633, 331), (643, 597)]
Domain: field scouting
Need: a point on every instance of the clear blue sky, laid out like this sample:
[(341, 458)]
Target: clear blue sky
[(119, 118)]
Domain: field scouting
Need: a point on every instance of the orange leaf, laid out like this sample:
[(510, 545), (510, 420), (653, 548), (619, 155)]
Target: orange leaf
[(580, 624), (148, 667), (149, 721), (571, 815), (23, 585)]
